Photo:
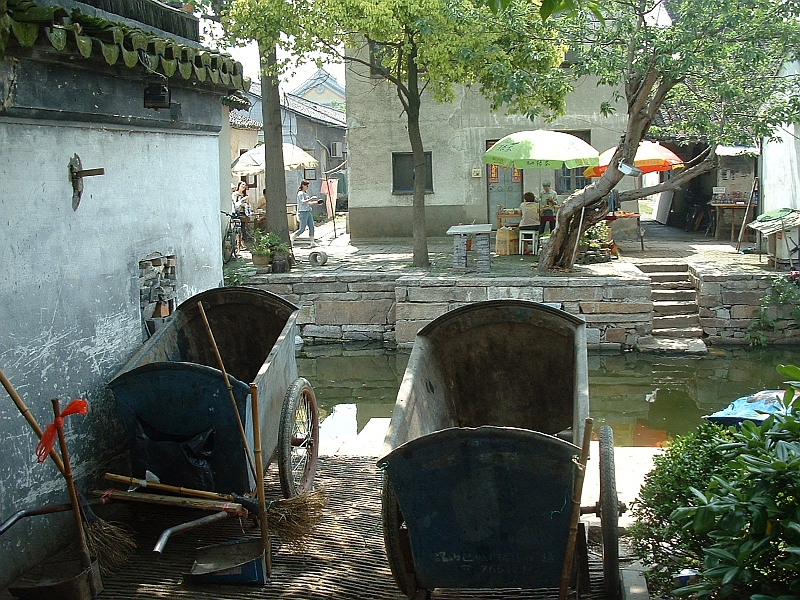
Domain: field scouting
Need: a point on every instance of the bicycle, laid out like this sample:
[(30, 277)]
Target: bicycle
[(230, 239)]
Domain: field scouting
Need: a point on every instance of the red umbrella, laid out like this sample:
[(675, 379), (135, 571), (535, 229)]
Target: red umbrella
[(650, 157)]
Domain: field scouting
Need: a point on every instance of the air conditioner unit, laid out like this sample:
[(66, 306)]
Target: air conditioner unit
[(336, 150)]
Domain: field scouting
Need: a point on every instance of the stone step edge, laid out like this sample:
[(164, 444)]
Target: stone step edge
[(678, 332)]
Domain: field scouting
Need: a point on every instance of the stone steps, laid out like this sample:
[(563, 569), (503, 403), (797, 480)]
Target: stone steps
[(680, 307), (679, 332), (676, 321), (676, 316), (671, 295)]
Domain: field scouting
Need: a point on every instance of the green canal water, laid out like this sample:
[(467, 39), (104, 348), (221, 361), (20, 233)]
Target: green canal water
[(645, 399)]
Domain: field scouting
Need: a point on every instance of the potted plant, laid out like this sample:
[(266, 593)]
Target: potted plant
[(261, 250), (280, 258)]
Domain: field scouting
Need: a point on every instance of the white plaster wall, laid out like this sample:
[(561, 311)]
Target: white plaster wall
[(780, 164), (456, 134), (69, 291)]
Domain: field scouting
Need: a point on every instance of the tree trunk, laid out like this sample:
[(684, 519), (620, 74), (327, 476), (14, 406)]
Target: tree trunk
[(420, 256), (274, 174)]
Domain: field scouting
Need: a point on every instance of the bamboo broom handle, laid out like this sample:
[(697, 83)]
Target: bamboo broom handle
[(262, 503), (577, 490), (230, 390), (86, 560), (29, 418), (163, 487)]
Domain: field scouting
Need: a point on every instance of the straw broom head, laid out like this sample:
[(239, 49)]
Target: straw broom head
[(292, 520)]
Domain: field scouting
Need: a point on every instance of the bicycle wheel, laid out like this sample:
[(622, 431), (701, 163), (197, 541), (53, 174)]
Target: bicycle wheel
[(228, 246), (298, 439)]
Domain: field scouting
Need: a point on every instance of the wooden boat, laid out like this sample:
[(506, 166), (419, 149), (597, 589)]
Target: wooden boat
[(478, 458), (174, 390)]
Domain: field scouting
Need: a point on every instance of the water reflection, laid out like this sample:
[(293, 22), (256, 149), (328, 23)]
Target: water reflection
[(646, 399)]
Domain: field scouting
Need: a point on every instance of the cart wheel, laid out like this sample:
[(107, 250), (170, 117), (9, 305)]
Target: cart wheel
[(609, 513), (398, 546), (298, 439), (317, 258)]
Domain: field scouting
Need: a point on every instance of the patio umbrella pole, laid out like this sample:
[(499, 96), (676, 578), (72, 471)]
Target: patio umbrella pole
[(746, 212)]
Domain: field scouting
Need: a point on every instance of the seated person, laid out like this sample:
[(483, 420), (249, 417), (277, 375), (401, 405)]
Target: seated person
[(530, 212)]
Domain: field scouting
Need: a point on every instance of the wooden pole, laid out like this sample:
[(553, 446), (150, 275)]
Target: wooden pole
[(577, 490), (29, 417), (86, 560), (230, 391), (163, 487), (262, 503), (746, 213)]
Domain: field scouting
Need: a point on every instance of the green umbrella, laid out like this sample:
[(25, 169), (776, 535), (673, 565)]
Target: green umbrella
[(541, 149)]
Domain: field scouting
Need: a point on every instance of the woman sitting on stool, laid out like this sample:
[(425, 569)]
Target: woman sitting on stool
[(530, 215)]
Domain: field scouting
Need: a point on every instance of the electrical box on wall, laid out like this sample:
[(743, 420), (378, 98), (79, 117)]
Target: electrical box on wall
[(336, 150), (477, 173)]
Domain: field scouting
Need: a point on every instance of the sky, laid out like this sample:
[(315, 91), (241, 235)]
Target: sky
[(248, 56)]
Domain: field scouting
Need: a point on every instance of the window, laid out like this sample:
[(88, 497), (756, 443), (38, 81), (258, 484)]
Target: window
[(403, 173), (569, 180)]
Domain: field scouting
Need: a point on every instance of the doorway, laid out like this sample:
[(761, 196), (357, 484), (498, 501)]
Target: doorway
[(504, 186)]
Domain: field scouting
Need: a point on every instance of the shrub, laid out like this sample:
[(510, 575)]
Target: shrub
[(664, 546), (751, 512)]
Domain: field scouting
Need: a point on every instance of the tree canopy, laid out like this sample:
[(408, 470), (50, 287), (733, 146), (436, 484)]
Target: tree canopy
[(717, 64)]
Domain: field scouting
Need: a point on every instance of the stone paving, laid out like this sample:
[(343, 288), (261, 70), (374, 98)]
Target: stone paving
[(662, 244)]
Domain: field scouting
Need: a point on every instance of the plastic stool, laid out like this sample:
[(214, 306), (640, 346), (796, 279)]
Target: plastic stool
[(530, 236)]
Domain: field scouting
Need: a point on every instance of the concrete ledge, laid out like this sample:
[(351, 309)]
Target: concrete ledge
[(634, 585)]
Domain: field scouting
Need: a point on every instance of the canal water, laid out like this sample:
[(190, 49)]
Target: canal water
[(646, 399)]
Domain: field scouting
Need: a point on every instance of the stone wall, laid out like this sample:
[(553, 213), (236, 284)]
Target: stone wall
[(392, 308), (728, 303)]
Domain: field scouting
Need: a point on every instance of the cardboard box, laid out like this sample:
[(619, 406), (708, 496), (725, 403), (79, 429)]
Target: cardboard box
[(507, 241)]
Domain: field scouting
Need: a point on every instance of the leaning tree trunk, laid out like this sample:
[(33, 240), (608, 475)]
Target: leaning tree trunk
[(274, 174), (645, 94)]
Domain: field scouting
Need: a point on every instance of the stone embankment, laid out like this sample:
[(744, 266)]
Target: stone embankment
[(618, 309)]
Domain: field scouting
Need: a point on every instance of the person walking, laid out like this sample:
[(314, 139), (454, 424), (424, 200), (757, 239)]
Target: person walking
[(305, 216)]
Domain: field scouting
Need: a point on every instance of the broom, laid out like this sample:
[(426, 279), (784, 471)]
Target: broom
[(291, 519), (110, 543)]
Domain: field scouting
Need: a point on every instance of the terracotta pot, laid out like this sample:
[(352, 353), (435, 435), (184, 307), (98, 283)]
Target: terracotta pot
[(260, 260)]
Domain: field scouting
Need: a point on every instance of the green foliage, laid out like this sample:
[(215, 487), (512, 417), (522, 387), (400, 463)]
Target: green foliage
[(263, 243), (783, 292), (665, 547), (751, 514), (281, 250), (237, 273), (597, 235)]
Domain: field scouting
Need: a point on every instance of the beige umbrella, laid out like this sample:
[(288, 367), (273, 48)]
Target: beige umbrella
[(252, 161)]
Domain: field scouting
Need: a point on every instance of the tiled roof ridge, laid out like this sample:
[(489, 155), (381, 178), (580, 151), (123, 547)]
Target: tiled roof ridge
[(31, 23), (313, 110)]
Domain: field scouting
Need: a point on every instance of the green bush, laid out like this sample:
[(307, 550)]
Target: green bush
[(750, 513), (662, 545)]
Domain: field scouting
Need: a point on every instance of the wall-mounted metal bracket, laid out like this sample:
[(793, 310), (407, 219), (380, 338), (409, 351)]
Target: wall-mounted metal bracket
[(76, 175)]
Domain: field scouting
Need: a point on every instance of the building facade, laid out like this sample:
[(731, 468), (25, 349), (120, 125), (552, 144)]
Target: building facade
[(113, 136)]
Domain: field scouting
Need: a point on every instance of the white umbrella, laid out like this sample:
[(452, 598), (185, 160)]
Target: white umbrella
[(252, 161)]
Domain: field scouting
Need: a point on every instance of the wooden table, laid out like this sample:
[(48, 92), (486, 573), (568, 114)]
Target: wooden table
[(734, 206), (481, 244)]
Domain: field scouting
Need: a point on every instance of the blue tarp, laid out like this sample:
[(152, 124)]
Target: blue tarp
[(755, 407)]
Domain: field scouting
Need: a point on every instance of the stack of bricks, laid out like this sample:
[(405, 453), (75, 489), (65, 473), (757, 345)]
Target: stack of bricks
[(482, 246), (157, 289), (459, 253)]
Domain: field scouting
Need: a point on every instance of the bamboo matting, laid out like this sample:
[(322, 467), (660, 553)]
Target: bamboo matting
[(344, 559)]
